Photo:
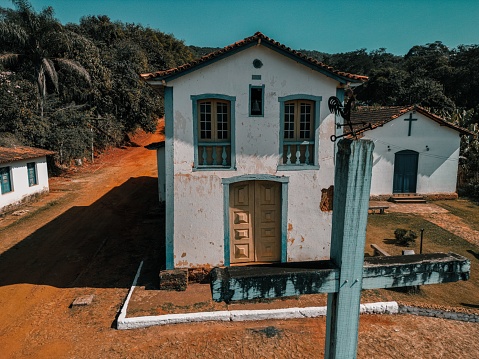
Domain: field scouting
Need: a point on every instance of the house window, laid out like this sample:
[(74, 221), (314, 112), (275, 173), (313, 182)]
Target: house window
[(299, 130), (214, 131), (32, 174), (6, 183), (256, 100)]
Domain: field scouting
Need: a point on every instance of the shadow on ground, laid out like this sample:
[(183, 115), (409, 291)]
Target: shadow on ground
[(96, 246)]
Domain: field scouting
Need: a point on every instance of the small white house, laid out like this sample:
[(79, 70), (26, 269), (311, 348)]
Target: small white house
[(248, 159), (415, 151), (23, 175)]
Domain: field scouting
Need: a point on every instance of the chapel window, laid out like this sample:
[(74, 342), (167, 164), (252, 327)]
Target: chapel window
[(298, 132), (213, 133)]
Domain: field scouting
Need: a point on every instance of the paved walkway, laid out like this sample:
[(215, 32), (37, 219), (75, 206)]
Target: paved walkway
[(419, 208)]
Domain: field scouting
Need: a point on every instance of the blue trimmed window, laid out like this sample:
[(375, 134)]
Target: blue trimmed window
[(5, 180), (299, 131), (32, 173), (214, 131)]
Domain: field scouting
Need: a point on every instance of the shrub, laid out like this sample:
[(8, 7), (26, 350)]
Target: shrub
[(404, 237)]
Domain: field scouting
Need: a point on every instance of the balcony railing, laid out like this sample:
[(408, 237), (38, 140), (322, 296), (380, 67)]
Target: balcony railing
[(217, 154), (298, 153)]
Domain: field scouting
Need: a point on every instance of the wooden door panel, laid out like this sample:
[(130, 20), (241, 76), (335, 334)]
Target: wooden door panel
[(242, 253), (267, 237), (241, 195), (267, 252), (241, 216), (255, 221), (268, 216)]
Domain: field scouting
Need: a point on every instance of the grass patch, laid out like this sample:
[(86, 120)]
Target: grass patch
[(380, 230), (462, 294)]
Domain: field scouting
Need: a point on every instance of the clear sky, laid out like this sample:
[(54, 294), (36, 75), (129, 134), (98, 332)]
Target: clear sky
[(327, 26)]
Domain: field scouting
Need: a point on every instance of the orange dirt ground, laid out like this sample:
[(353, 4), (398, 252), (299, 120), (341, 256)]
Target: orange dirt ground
[(88, 237)]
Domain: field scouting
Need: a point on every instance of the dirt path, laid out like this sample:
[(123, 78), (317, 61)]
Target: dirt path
[(88, 242), (90, 238), (453, 224)]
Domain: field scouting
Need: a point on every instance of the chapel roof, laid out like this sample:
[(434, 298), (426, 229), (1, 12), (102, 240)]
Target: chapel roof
[(257, 38), (378, 116), (18, 153)]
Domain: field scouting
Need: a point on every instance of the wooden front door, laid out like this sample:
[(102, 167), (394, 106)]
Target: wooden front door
[(255, 222), (405, 172)]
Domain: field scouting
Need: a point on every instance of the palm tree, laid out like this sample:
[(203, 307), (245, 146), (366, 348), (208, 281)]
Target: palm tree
[(39, 41)]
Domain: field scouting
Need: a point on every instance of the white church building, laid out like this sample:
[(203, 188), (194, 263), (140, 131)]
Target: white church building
[(415, 151), (247, 167)]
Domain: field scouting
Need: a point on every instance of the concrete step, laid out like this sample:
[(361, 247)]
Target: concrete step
[(408, 198)]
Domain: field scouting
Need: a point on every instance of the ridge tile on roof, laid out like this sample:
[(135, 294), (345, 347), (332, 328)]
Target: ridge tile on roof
[(378, 116), (257, 37)]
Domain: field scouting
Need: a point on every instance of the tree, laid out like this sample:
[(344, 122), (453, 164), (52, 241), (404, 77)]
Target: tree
[(385, 87), (19, 125), (36, 41), (126, 50), (465, 80)]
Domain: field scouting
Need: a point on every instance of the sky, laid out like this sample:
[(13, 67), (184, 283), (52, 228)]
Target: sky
[(326, 26)]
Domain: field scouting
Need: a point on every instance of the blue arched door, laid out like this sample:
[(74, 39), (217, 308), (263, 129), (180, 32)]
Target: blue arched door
[(405, 172)]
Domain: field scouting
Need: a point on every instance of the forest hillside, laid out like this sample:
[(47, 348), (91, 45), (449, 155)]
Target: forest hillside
[(71, 87)]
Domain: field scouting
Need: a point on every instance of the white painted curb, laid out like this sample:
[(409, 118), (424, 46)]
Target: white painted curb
[(236, 315)]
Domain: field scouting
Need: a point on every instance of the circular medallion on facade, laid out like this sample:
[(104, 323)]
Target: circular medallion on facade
[(257, 63)]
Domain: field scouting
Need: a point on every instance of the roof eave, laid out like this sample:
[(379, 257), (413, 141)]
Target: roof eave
[(334, 76), (443, 122), (160, 80), (170, 77), (423, 112)]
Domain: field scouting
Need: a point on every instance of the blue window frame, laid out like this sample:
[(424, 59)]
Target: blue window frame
[(214, 127), (299, 132), (5, 180), (256, 101), (32, 174)]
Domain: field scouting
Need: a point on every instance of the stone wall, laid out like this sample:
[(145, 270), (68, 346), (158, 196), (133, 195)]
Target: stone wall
[(438, 313)]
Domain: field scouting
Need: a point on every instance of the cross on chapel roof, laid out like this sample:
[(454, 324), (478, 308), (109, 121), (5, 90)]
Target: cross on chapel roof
[(379, 116)]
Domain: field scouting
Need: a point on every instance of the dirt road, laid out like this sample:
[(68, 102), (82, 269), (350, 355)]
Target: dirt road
[(90, 240)]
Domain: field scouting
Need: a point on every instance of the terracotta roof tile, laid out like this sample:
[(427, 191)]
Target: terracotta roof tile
[(257, 37), (378, 116), (11, 154)]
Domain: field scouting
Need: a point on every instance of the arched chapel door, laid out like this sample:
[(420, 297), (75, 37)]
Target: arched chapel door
[(405, 171)]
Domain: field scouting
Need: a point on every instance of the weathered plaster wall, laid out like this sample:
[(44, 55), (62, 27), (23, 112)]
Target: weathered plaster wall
[(19, 179), (198, 195), (437, 168)]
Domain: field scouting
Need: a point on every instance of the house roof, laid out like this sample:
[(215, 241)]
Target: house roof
[(12, 154), (378, 116), (257, 39)]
